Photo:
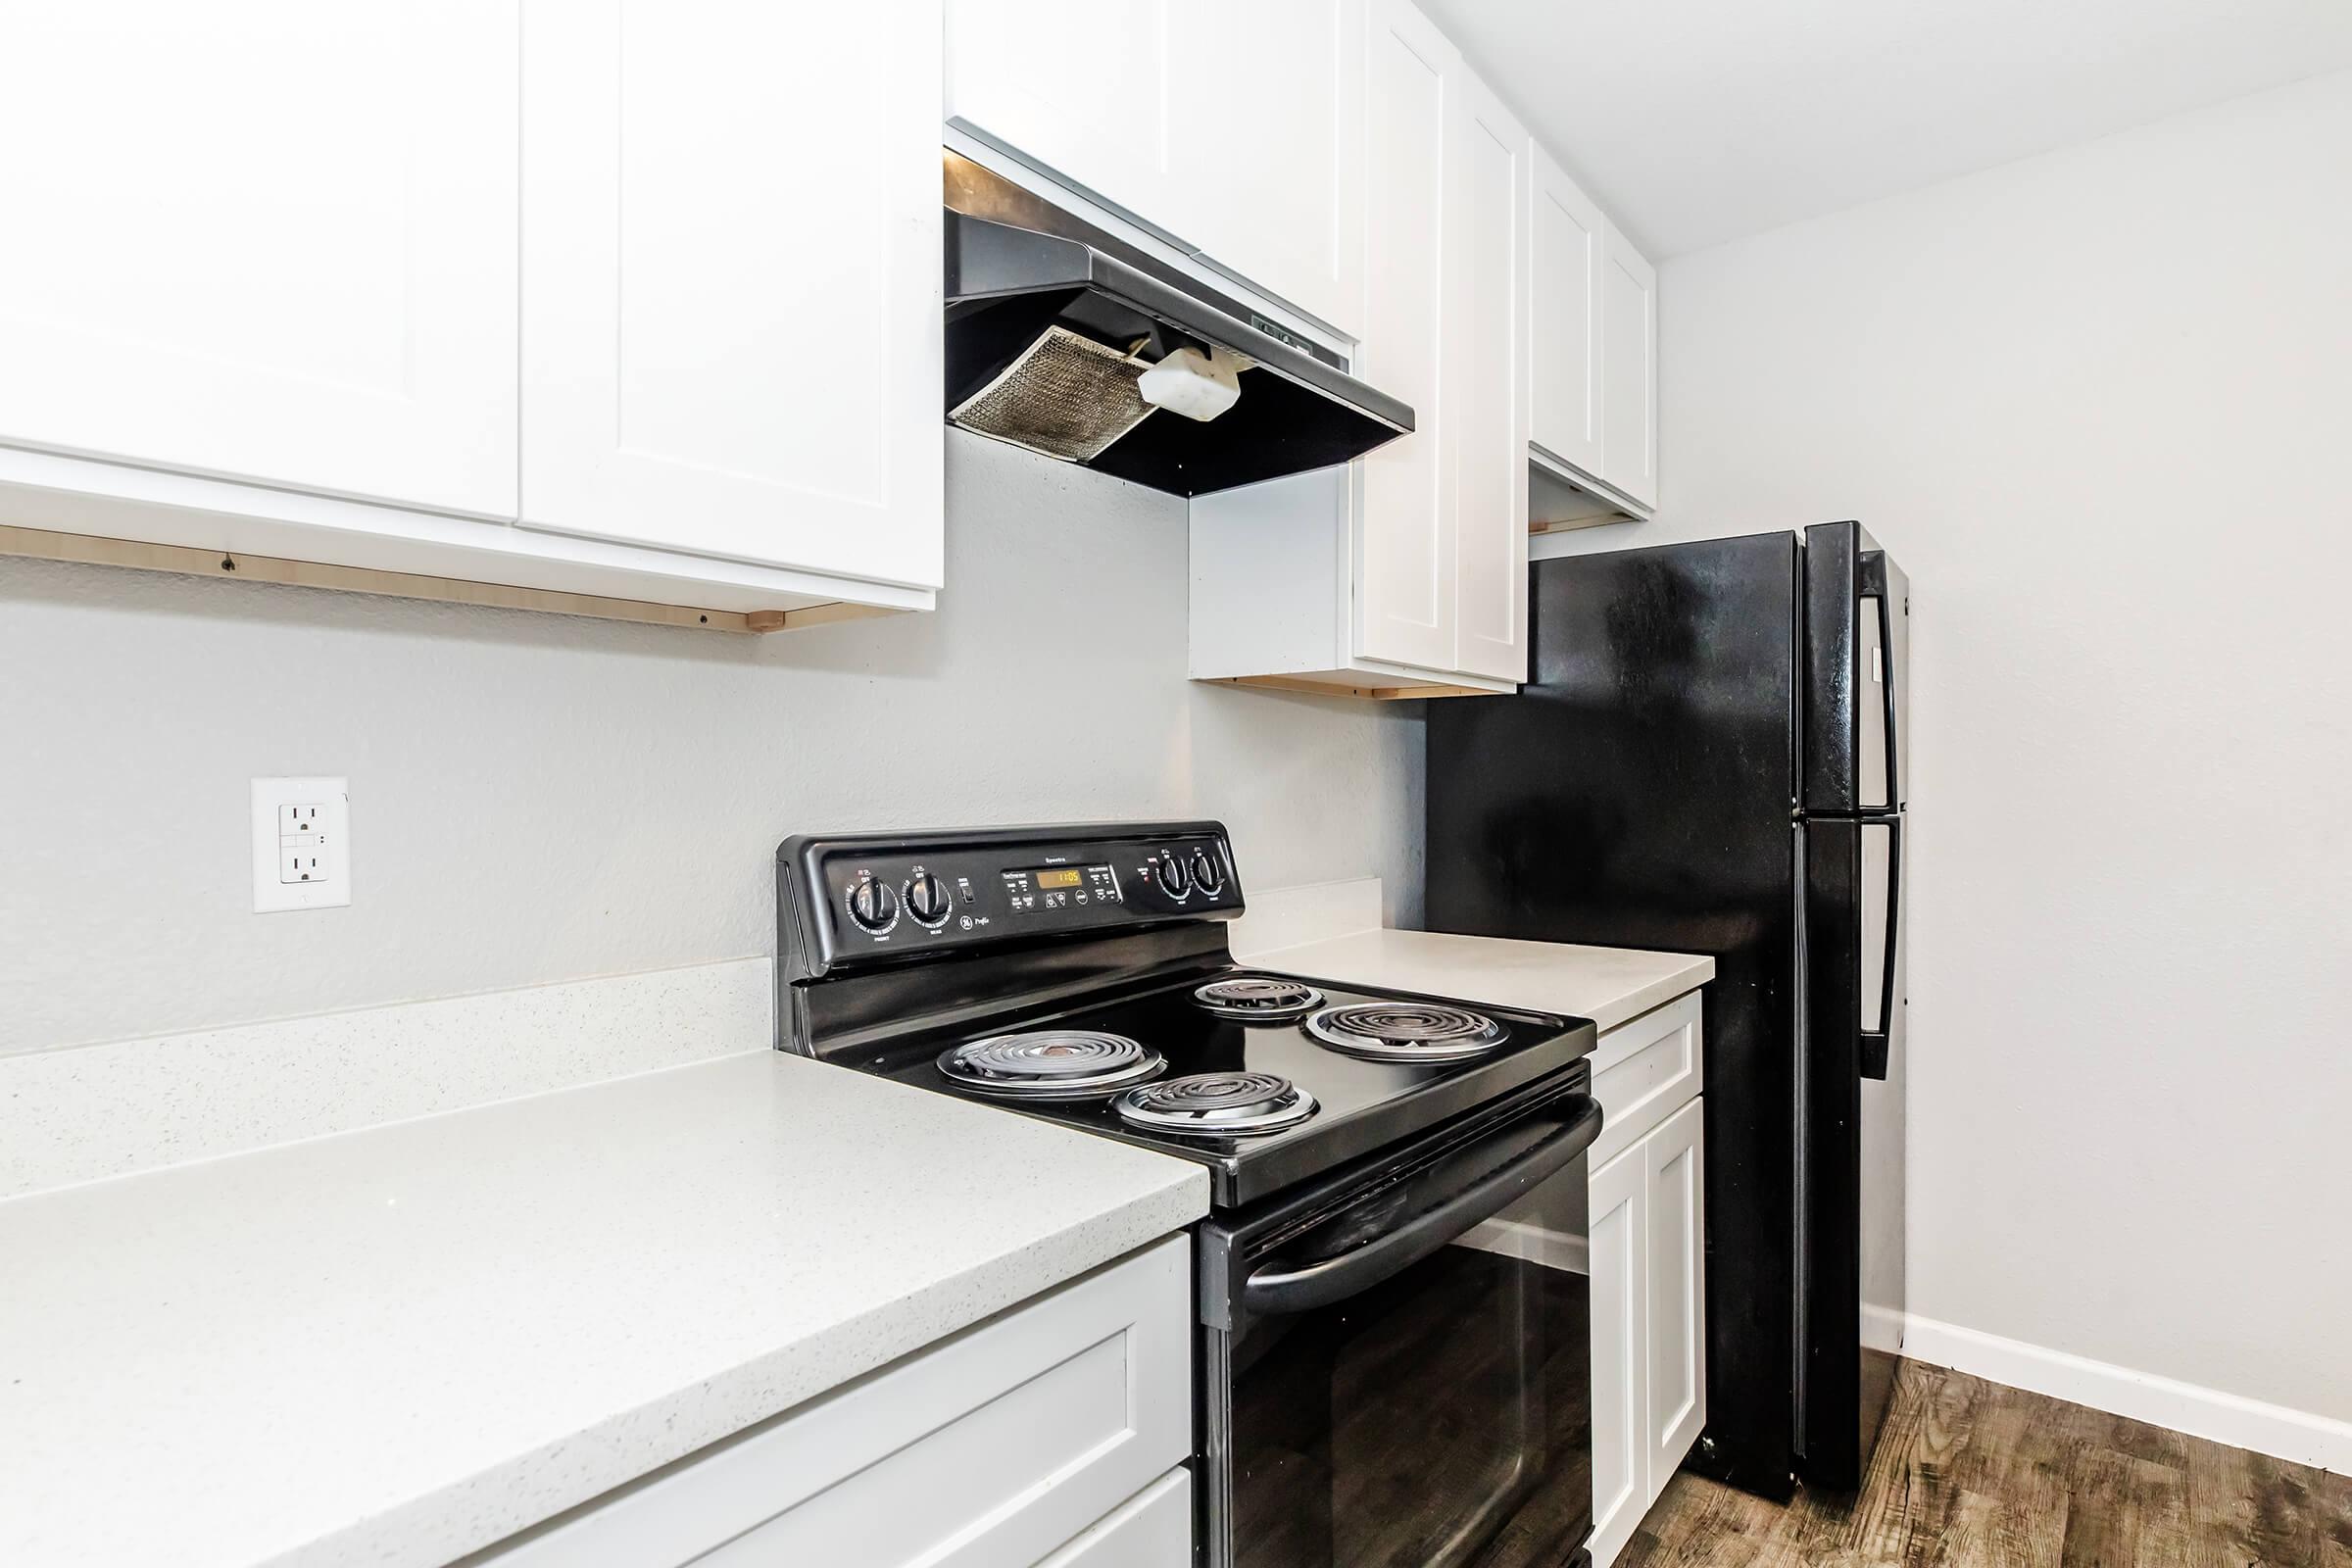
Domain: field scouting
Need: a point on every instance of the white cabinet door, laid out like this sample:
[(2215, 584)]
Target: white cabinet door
[(731, 337), (1153, 1530), (1137, 103), (1274, 178), (1086, 90), (1618, 1241), (1404, 592), (1487, 396), (994, 1449), (265, 239), (1674, 1172), (1628, 357), (1564, 309)]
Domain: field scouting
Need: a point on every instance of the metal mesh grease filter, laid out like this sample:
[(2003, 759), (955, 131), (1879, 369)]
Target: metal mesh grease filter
[(1066, 397)]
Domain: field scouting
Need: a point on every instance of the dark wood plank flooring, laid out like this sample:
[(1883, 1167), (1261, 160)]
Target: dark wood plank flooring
[(1970, 1474)]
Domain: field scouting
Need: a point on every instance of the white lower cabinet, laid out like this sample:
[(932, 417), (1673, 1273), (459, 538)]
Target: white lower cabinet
[(1151, 1530), (1618, 1237), (1056, 1434), (1649, 1351), (1646, 1243), (1673, 1173)]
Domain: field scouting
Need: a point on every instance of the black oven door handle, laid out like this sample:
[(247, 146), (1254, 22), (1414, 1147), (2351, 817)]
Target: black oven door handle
[(1275, 1290)]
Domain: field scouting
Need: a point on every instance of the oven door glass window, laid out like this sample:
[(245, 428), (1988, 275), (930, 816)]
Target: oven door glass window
[(1440, 1418)]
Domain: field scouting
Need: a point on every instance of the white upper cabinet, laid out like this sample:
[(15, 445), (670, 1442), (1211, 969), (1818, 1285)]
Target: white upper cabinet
[(1564, 333), (269, 241), (1407, 568), (1134, 104), (1595, 336), (1487, 382), (1628, 357), (731, 320), (1277, 176), (1087, 89), (337, 294), (1429, 573), (1441, 579)]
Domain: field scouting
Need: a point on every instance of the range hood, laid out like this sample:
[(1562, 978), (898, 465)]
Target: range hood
[(1065, 340)]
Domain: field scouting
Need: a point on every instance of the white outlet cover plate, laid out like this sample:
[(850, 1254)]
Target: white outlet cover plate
[(333, 796)]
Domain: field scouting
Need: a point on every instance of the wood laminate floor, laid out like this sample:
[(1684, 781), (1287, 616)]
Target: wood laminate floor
[(1970, 1474)]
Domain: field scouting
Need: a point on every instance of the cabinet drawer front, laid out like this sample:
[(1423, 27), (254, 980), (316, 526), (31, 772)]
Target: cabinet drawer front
[(989, 1450), (1642, 1070), (1153, 1531)]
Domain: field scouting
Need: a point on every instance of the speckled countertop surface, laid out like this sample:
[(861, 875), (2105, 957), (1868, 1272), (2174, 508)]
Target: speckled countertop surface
[(396, 1346), (1607, 985)]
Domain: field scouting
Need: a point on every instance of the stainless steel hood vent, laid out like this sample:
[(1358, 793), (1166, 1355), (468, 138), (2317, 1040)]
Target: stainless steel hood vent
[(1053, 325)]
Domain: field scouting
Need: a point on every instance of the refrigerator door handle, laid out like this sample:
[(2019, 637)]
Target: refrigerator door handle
[(1870, 573), (1878, 1044)]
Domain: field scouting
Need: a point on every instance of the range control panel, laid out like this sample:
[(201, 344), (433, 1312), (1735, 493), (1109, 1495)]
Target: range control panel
[(877, 896)]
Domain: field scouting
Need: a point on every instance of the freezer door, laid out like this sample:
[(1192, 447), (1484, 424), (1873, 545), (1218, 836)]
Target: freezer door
[(1857, 678), (1851, 1272)]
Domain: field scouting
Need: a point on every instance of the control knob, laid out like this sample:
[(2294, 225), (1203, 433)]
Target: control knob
[(873, 905), (1206, 877), (1173, 879), (927, 898)]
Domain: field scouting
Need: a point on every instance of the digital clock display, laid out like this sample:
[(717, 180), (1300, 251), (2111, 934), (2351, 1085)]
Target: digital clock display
[(1059, 887)]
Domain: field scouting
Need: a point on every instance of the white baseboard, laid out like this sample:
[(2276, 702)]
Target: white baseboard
[(2299, 1436)]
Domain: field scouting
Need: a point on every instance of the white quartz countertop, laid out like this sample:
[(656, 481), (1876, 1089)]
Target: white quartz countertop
[(396, 1346), (1607, 985)]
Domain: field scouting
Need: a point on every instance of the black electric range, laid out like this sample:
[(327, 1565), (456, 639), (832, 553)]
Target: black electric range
[(1352, 1107), (1359, 1141)]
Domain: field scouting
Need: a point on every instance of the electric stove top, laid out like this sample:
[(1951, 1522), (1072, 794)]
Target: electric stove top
[(1081, 976), (1359, 1105)]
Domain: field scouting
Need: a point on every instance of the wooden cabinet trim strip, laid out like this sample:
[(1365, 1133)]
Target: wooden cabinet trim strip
[(94, 551)]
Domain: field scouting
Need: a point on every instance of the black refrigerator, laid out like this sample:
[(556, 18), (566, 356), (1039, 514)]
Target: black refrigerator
[(1709, 756)]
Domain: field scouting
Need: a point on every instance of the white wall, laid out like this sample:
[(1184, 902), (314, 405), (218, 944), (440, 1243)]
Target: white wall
[(2099, 405), (537, 798)]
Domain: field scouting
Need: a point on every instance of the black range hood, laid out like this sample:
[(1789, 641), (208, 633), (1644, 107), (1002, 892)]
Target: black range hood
[(1051, 323)]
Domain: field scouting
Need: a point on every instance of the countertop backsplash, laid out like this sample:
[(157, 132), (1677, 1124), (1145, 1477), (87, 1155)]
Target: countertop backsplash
[(87, 1113)]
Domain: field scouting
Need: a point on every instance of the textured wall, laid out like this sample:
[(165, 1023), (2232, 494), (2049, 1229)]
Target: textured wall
[(2098, 405), (538, 798)]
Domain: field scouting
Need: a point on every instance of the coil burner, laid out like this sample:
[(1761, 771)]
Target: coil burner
[(1262, 997), (1406, 1031), (1218, 1105), (1051, 1064)]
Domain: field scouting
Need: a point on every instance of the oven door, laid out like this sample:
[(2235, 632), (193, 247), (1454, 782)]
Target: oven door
[(1385, 1379)]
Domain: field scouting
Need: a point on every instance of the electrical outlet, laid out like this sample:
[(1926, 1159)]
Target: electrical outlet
[(301, 864), (300, 844)]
